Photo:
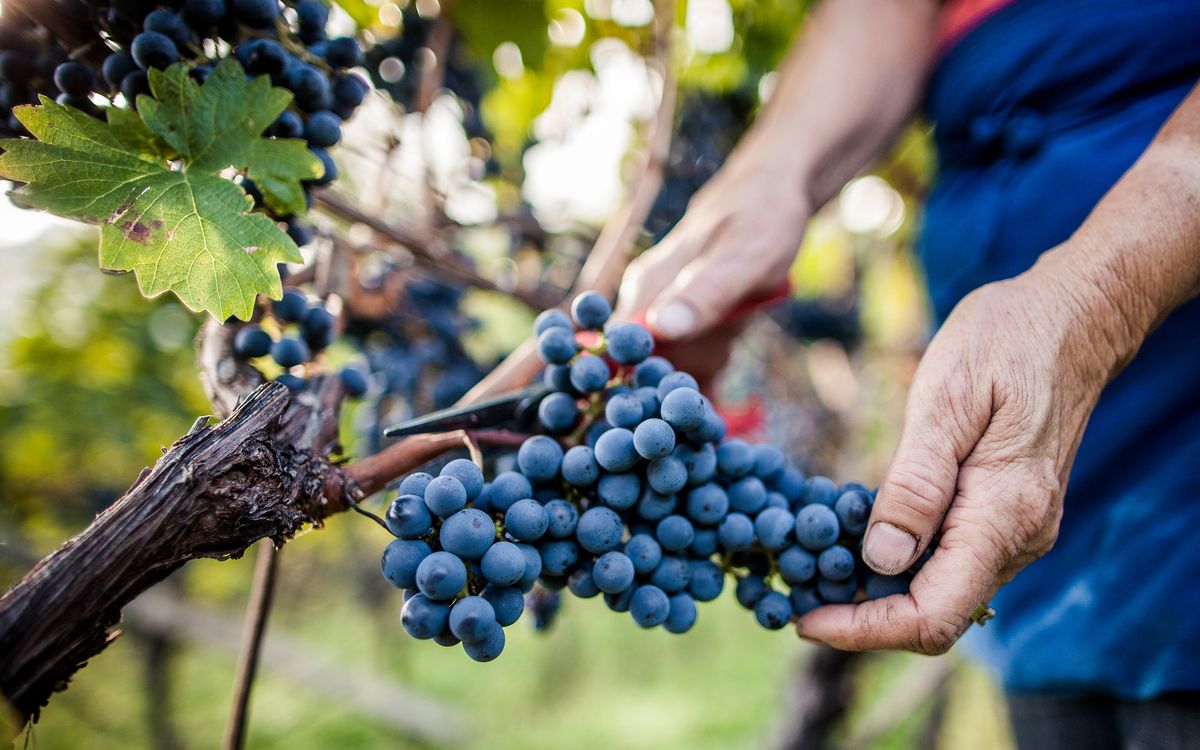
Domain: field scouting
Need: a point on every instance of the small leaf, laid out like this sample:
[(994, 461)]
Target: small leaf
[(152, 183)]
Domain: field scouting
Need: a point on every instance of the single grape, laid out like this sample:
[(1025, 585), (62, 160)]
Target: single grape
[(701, 462), (837, 592), (329, 170), (415, 484), (644, 552), (559, 557), (735, 458), (623, 410), (836, 563), (323, 129), (257, 14), (683, 408), (599, 530), (167, 22), (557, 346), (400, 561), (202, 15), (293, 382), (736, 533), (446, 639), (116, 66), (487, 649), (507, 488), (615, 451), (472, 619), (408, 517), (648, 397), (791, 485), (655, 507), (564, 518), (651, 371), (589, 373), (134, 85), (312, 14), (619, 491), (879, 586), (775, 500), (289, 352), (152, 49), (252, 341), (445, 496), (747, 495), (526, 520), (804, 600), (773, 611), (343, 52), (558, 413), (672, 574), (674, 533), (349, 90), (440, 576), (310, 87), (821, 490), (704, 543), (769, 462), (711, 431), (816, 527), (620, 602), (750, 590), (354, 381), (423, 617), (705, 580), (682, 614), (853, 509), (553, 318), (667, 476), (558, 378), (291, 307), (533, 566), (628, 343), (540, 458), (74, 78), (579, 466), (582, 583), (649, 606), (796, 565), (317, 327), (774, 527), (613, 572), (467, 473), (674, 380), (653, 439), (590, 311), (469, 533), (707, 504), (507, 602)]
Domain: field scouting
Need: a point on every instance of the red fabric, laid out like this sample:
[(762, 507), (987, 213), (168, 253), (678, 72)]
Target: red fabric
[(959, 17)]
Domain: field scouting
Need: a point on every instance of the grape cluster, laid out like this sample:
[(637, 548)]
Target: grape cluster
[(304, 330), (634, 494), (284, 41)]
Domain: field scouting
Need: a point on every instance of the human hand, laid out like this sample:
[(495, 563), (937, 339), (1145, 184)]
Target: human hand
[(737, 239), (995, 415)]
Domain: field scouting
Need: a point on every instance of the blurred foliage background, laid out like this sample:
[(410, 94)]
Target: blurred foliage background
[(94, 381)]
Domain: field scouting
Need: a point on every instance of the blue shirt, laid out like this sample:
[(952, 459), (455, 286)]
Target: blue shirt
[(1038, 112)]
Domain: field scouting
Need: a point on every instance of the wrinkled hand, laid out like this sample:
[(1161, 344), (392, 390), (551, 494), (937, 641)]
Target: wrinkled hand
[(994, 418), (737, 239)]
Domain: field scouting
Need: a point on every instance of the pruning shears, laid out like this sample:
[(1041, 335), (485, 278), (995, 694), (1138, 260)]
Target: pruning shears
[(515, 410)]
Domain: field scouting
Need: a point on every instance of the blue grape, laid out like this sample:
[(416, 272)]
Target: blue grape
[(563, 519), (116, 66), (837, 592), (558, 378), (655, 507), (423, 617), (705, 580), (804, 600), (487, 649), (736, 533), (289, 352), (735, 458), (879, 586), (251, 342), (704, 543), (579, 466), (582, 583), (440, 576), (466, 472), (619, 491), (589, 373), (291, 307), (445, 496), (558, 557), (620, 602), (683, 408), (836, 563), (853, 510), (558, 413), (674, 380), (415, 484), (682, 614), (674, 533), (598, 428), (613, 572), (648, 397), (774, 527), (796, 565), (503, 563), (590, 311), (651, 371), (816, 527), (707, 504), (775, 500), (773, 611), (265, 56), (257, 14), (666, 475), (701, 462), (328, 167), (203, 14), (791, 485), (750, 590), (599, 530), (343, 52), (507, 488), (540, 458), (468, 534), (446, 639), (408, 517), (526, 520), (134, 85), (649, 606), (672, 574), (317, 327), (769, 462), (323, 129), (473, 619), (552, 318), (653, 439), (400, 561), (623, 410), (644, 552), (628, 343), (533, 566), (614, 450), (152, 49), (557, 346), (507, 602), (821, 490), (747, 495), (74, 78), (711, 431), (354, 382)]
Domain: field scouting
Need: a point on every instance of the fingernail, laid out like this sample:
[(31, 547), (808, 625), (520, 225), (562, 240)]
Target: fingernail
[(889, 548), (675, 320)]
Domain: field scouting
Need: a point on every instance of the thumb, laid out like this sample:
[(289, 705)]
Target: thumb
[(701, 295), (922, 479)]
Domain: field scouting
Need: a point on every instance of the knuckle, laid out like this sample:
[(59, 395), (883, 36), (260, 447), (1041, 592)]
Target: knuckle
[(935, 634), (910, 493)]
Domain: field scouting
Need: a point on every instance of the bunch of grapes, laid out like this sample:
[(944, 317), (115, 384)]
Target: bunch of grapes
[(304, 330), (284, 41), (634, 494)]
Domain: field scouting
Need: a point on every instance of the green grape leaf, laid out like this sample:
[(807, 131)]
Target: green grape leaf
[(154, 184)]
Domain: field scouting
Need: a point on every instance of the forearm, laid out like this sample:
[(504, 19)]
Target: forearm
[(1137, 256), (846, 88)]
